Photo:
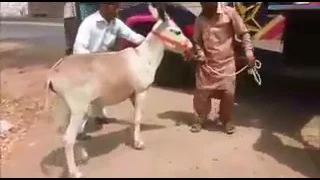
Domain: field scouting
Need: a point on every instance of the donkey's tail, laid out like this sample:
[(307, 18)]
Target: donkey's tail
[(49, 87), (57, 64)]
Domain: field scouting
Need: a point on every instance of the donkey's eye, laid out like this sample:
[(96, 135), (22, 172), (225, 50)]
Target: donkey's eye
[(176, 32)]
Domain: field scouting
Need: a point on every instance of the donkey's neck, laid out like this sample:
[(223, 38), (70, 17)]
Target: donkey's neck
[(151, 51)]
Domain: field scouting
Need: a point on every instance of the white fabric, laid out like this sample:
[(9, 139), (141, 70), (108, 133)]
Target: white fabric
[(69, 10), (95, 34), (220, 6)]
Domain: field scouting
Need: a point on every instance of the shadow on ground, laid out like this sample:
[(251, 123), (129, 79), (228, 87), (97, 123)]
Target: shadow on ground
[(281, 105), (271, 116), (291, 156), (97, 146)]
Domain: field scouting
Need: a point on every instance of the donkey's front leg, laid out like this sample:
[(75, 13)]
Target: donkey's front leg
[(138, 102)]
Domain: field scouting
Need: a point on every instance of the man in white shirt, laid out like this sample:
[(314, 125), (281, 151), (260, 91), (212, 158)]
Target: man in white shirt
[(70, 25), (98, 33)]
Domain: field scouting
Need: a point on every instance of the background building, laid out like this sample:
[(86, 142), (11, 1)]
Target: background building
[(14, 9), (33, 9)]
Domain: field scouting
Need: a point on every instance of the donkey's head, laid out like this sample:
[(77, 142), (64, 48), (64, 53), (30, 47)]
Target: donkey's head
[(168, 32)]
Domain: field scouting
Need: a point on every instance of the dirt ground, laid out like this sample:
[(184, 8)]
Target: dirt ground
[(23, 67), (276, 137)]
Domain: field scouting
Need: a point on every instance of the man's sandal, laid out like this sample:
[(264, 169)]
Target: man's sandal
[(229, 128), (101, 121), (68, 51), (196, 127), (83, 137)]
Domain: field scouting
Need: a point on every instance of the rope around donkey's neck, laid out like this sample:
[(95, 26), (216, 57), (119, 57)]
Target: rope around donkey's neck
[(253, 71)]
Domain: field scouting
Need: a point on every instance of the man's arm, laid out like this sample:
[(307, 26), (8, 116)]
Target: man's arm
[(128, 34), (242, 32), (82, 39), (198, 41)]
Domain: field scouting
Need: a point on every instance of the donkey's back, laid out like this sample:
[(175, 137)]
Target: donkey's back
[(88, 62), (103, 74)]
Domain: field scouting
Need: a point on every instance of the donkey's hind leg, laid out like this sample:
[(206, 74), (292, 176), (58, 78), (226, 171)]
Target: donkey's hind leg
[(61, 114), (78, 117)]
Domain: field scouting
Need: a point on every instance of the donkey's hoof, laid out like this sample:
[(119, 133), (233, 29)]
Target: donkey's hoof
[(75, 175), (84, 160), (139, 145)]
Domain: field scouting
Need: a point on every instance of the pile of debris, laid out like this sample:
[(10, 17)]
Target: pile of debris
[(17, 116)]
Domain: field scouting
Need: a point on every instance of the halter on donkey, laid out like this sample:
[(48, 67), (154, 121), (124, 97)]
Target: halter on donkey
[(96, 80)]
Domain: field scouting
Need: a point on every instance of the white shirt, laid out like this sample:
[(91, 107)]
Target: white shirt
[(69, 10), (95, 34)]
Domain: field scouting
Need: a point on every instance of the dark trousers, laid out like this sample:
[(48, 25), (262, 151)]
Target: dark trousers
[(70, 30)]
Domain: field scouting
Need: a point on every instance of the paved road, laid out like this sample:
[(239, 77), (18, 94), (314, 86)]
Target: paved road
[(273, 123), (52, 34)]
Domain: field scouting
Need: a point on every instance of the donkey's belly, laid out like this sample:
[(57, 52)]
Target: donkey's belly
[(114, 95)]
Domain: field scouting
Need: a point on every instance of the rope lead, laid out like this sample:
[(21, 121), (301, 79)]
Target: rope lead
[(253, 71)]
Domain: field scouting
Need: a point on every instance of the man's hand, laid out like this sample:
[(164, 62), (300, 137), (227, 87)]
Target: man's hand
[(191, 55), (200, 57), (251, 59), (188, 55)]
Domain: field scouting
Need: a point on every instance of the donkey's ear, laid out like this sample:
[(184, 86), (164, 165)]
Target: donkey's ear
[(162, 12), (153, 11)]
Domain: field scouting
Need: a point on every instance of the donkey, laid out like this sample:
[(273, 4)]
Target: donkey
[(92, 81)]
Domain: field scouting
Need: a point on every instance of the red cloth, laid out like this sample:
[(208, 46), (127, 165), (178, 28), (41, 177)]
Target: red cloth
[(188, 30), (275, 30), (131, 21), (139, 19)]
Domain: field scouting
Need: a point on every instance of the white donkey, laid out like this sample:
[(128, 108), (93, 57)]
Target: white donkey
[(87, 81)]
